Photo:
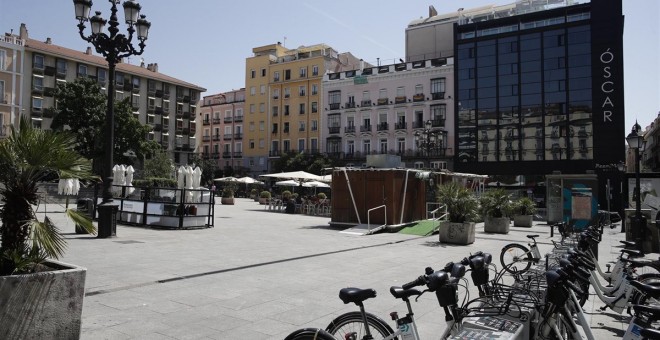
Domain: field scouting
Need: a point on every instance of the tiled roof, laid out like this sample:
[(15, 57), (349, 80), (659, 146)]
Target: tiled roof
[(98, 61)]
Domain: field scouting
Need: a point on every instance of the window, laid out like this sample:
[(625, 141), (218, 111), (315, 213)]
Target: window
[(334, 97), (315, 70), (37, 83), (286, 110), (438, 85), (262, 89), (301, 90), (37, 103), (419, 89), (287, 74), (350, 147), (301, 126), (401, 145), (136, 101), (301, 108), (400, 91), (253, 74), (253, 90), (303, 72), (252, 108), (3, 56), (275, 128), (276, 76), (275, 110), (276, 93), (383, 146), (262, 126), (61, 66), (38, 61), (382, 94), (263, 72), (286, 127), (82, 69), (315, 125), (262, 143), (315, 107), (287, 92), (262, 108), (251, 126), (119, 79), (2, 93), (366, 146), (315, 89)]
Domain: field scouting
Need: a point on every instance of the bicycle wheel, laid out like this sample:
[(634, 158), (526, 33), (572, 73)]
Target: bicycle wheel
[(310, 334), (351, 323), (515, 258), (639, 298)]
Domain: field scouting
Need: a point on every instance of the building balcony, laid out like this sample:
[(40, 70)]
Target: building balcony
[(165, 144), (226, 154), (238, 135), (49, 112), (238, 119), (238, 154), (215, 155), (365, 128), (350, 105), (400, 126), (365, 103), (37, 112), (186, 114), (418, 97), (216, 120), (206, 138), (384, 126), (437, 95), (334, 129), (216, 138), (382, 101), (274, 153), (400, 100), (438, 122), (334, 106), (228, 119), (206, 122), (158, 127), (349, 129), (227, 136), (206, 155)]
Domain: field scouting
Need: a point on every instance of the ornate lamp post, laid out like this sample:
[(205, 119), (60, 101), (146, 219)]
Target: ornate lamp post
[(113, 47), (429, 139), (636, 142)]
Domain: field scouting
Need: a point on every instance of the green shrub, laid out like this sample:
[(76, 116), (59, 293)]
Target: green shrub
[(155, 182), (265, 194), (321, 196), (286, 194), (462, 205), (524, 206), (496, 203)]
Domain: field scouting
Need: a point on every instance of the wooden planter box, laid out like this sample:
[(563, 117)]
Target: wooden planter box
[(227, 200), (457, 233), (523, 221), (497, 225), (46, 305)]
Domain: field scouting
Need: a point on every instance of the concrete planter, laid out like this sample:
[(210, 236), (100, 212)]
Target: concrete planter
[(264, 200), (523, 221), (46, 305), (498, 225), (457, 233), (227, 200)]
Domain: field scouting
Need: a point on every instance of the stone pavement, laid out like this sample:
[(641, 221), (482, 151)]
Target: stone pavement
[(261, 274)]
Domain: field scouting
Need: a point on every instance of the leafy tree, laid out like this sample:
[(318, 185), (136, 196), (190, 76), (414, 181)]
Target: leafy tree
[(209, 168), (160, 165), (82, 108), (295, 161)]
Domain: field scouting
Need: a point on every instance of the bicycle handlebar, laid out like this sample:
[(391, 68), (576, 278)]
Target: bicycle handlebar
[(420, 281)]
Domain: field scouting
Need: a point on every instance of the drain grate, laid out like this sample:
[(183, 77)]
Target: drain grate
[(129, 242)]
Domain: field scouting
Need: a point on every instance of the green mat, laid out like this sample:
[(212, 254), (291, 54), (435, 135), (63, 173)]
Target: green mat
[(423, 228)]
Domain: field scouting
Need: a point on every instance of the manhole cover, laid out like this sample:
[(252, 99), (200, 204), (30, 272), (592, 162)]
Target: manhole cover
[(129, 242)]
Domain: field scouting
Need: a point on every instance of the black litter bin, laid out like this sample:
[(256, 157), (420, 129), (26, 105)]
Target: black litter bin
[(290, 207), (84, 206)]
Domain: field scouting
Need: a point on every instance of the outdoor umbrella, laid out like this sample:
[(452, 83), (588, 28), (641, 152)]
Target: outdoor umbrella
[(196, 179), (297, 175), (288, 183), (129, 179), (315, 184), (248, 180)]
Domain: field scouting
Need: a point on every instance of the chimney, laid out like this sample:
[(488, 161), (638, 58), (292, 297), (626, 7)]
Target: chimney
[(88, 51), (152, 67), (432, 11), (48, 41), (361, 65), (142, 62), (23, 32)]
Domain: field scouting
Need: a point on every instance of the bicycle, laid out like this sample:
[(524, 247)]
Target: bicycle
[(514, 253)]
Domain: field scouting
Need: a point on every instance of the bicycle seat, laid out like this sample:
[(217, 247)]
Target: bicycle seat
[(650, 333), (636, 263), (652, 291), (629, 244), (404, 294), (632, 252), (356, 295), (652, 311), (532, 236)]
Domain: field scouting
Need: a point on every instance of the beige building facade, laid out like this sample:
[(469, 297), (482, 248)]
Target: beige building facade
[(168, 104), (222, 130)]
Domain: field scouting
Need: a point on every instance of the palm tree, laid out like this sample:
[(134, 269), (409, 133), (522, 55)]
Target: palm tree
[(29, 156)]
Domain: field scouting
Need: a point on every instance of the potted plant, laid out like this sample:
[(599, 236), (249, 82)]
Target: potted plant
[(496, 207), (254, 194), (264, 197), (462, 207), (286, 195), (321, 196), (523, 212), (40, 297), (228, 194)]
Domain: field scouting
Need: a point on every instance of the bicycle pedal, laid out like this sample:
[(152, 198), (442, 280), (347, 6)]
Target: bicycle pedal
[(604, 308)]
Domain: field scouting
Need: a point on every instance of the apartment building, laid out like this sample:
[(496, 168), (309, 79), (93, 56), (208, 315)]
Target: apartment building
[(222, 128), (166, 103), (12, 55), (384, 109), (283, 100)]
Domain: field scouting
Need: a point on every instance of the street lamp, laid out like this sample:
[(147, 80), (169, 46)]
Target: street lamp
[(636, 142), (429, 139), (113, 47)]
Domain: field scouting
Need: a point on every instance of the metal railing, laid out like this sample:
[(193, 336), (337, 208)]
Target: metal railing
[(369, 217), (441, 209)]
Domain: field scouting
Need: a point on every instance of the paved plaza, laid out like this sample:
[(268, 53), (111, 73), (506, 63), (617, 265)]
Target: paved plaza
[(260, 275)]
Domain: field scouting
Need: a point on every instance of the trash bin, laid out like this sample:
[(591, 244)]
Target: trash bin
[(290, 207), (84, 206)]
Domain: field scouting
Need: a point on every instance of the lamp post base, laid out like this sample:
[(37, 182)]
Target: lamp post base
[(107, 220), (639, 229)]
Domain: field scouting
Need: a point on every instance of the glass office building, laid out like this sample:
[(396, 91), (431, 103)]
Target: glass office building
[(541, 92)]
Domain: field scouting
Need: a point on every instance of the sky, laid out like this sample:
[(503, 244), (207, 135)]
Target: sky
[(205, 42)]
